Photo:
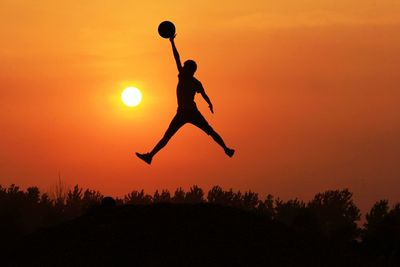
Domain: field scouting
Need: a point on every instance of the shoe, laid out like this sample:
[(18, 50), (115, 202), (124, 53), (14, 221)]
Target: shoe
[(145, 157), (229, 152)]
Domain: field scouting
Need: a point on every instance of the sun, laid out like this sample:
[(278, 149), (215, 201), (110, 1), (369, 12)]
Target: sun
[(131, 96)]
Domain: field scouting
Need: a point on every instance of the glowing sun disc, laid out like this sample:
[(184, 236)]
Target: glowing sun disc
[(131, 96)]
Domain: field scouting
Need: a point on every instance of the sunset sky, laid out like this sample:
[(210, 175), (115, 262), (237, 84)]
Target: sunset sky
[(306, 91)]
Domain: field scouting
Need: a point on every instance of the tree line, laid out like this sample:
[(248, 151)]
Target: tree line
[(331, 215)]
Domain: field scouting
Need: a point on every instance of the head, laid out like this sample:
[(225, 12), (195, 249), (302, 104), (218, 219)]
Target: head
[(190, 66)]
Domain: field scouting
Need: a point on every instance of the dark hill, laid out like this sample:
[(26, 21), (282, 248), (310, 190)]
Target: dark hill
[(176, 235)]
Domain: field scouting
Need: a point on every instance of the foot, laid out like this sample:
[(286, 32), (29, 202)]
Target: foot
[(145, 157), (229, 152)]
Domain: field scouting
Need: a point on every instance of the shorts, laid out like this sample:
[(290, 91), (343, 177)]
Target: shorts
[(192, 116)]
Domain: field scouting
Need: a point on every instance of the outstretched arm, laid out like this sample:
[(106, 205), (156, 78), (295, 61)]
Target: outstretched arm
[(207, 99), (176, 54)]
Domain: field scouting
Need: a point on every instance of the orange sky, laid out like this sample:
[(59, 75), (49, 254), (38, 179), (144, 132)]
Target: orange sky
[(307, 92)]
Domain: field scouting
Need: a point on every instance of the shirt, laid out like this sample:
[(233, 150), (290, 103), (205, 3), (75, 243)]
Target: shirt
[(187, 87)]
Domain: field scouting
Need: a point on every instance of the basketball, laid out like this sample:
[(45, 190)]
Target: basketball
[(166, 29)]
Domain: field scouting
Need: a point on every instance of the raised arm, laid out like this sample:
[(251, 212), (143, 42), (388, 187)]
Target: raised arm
[(176, 54)]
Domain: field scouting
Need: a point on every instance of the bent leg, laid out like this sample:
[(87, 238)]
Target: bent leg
[(176, 123)]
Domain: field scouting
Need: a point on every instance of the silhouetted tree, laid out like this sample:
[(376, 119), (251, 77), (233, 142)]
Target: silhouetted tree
[(12, 208), (45, 200), (215, 195), (179, 196), (137, 198), (164, 197), (73, 202), (288, 211), (250, 200), (119, 201), (382, 230), (21, 212), (33, 194), (91, 198), (2, 191), (266, 206), (74, 196), (156, 197), (376, 217), (48, 211), (336, 214), (237, 200), (330, 216), (218, 196), (59, 194), (195, 195), (15, 194)]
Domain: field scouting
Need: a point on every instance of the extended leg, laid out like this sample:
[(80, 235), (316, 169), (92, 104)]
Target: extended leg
[(174, 126), (176, 123), (217, 138), (201, 122)]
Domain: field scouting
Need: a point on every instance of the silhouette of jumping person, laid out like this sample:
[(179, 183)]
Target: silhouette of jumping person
[(187, 111)]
